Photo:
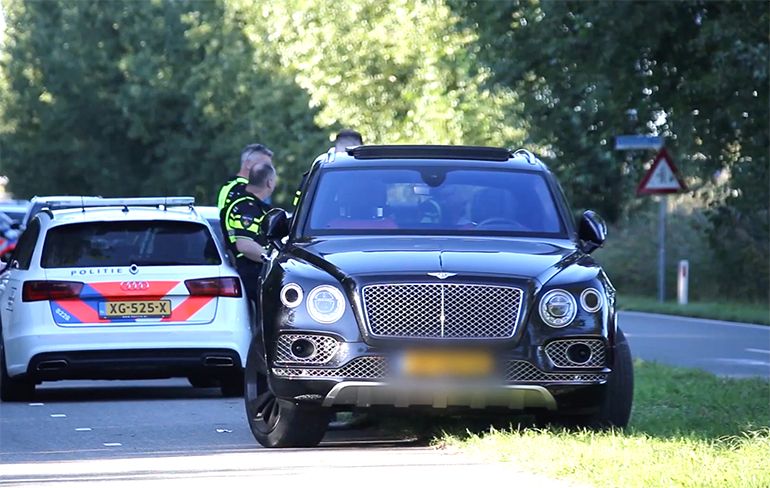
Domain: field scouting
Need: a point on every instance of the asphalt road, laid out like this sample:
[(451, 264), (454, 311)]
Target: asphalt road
[(723, 348), (165, 433)]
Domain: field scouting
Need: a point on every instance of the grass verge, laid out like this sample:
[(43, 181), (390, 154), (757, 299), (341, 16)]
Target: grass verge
[(688, 429), (736, 312)]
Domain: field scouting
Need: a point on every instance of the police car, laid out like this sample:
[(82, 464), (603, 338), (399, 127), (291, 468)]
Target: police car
[(120, 289)]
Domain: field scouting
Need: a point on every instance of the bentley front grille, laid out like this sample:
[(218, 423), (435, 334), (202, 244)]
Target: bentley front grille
[(442, 310)]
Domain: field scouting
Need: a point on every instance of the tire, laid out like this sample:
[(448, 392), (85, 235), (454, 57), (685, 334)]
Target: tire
[(615, 408), (13, 389), (275, 422), (232, 385)]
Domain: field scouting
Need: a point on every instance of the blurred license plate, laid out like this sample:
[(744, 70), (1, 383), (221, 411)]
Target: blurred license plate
[(135, 309), (447, 363)]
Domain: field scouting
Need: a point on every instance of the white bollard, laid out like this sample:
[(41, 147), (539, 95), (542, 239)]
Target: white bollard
[(682, 281)]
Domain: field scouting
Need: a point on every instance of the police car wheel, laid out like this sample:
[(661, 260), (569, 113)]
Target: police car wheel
[(13, 389)]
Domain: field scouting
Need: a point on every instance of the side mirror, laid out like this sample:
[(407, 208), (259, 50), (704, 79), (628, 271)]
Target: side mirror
[(275, 226), (592, 231)]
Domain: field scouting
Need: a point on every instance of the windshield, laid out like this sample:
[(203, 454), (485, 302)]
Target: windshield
[(433, 200), (144, 243)]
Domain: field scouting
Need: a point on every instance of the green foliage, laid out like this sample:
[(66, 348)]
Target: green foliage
[(695, 72), (398, 71), (124, 97)]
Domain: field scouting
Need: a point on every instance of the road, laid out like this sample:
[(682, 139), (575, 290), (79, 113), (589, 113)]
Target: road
[(165, 433), (723, 348)]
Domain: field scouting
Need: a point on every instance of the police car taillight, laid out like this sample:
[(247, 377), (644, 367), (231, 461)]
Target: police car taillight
[(34, 291), (214, 287)]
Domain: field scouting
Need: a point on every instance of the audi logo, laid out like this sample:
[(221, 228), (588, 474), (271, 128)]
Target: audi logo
[(134, 285)]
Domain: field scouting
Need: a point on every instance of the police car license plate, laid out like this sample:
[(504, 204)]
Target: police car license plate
[(135, 309)]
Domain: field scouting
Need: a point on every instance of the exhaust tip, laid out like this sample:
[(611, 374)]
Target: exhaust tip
[(52, 365), (218, 361)]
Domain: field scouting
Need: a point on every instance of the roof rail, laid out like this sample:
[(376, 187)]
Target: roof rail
[(125, 202), (430, 152), (528, 155)]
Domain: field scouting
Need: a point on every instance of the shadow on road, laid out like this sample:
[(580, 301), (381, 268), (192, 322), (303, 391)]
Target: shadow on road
[(77, 391)]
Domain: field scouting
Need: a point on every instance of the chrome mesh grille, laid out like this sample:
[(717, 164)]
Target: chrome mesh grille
[(557, 353), (368, 367), (325, 349), (526, 372), (442, 310), (375, 368)]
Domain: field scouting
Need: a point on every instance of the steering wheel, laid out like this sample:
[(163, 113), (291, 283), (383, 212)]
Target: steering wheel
[(429, 211), (499, 221)]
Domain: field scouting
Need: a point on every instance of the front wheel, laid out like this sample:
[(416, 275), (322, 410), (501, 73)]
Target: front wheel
[(615, 408), (275, 422)]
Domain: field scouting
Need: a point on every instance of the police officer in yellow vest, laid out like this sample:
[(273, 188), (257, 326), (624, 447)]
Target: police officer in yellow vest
[(251, 156), (243, 216)]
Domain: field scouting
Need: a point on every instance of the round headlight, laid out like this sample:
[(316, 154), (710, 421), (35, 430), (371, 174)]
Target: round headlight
[(291, 295), (325, 304), (558, 308)]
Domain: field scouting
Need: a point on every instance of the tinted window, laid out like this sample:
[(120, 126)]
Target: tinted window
[(434, 199), (148, 243), (26, 245)]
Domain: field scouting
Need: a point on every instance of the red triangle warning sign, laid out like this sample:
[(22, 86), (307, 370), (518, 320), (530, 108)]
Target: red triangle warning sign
[(663, 177)]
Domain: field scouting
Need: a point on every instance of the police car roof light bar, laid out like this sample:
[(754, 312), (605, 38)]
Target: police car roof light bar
[(126, 202)]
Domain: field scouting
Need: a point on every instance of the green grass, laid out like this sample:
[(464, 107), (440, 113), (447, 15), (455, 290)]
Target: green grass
[(737, 312), (688, 429)]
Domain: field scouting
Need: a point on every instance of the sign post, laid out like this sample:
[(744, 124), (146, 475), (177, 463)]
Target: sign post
[(661, 179)]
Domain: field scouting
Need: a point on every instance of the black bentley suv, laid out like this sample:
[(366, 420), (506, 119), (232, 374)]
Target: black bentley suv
[(451, 278)]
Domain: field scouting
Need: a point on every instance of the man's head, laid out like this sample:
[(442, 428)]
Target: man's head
[(254, 155), (347, 138), (262, 180)]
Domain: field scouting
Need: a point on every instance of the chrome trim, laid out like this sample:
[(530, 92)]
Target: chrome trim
[(286, 301), (367, 393), (599, 300), (556, 351), (526, 372), (426, 314), (326, 348)]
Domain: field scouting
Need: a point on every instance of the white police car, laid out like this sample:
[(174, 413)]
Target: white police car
[(121, 289)]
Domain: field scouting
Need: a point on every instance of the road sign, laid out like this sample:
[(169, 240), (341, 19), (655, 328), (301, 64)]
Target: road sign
[(633, 142), (663, 177)]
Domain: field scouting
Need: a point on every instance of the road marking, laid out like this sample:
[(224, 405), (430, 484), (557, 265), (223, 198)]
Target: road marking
[(112, 444), (743, 362), (58, 415), (83, 429), (760, 351), (36, 404)]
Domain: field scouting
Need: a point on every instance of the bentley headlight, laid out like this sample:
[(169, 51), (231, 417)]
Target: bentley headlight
[(325, 304), (558, 308)]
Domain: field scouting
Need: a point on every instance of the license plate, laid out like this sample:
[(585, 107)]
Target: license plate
[(447, 363), (135, 309)]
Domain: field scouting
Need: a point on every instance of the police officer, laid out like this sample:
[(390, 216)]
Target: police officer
[(243, 217), (251, 156)]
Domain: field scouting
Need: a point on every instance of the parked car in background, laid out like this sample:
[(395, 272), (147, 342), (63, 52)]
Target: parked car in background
[(447, 278), (15, 209), (9, 235), (120, 289)]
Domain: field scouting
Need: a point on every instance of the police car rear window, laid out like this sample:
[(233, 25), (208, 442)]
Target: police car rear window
[(144, 243)]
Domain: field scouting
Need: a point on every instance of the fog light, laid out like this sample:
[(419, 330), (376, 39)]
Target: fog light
[(579, 353), (302, 348)]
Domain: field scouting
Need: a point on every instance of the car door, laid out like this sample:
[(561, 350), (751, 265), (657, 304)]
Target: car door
[(18, 269)]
